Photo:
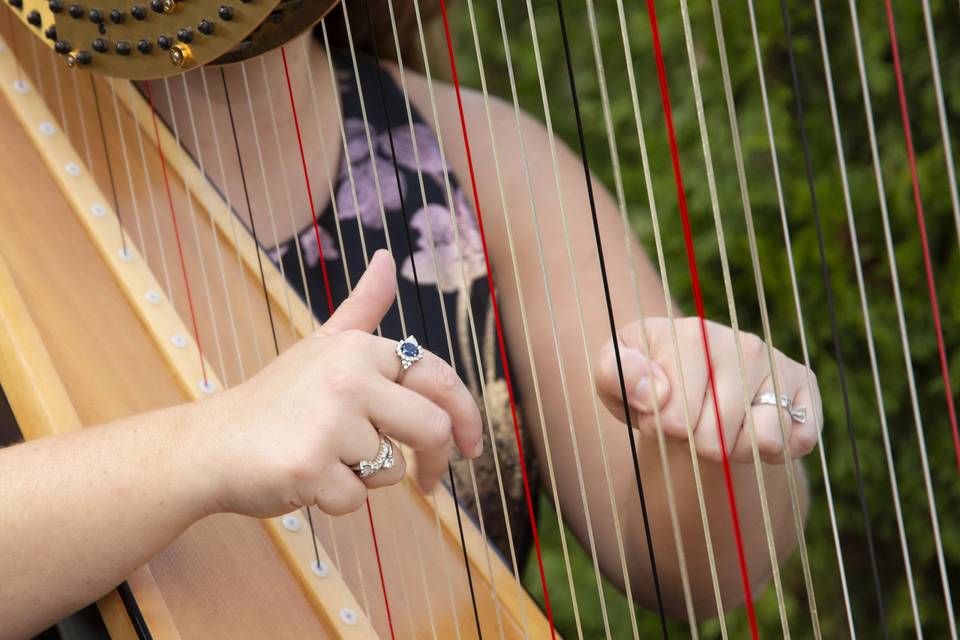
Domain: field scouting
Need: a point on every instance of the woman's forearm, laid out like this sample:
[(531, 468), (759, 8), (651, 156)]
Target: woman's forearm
[(79, 512)]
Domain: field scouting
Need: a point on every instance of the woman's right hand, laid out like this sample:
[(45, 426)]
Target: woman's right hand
[(287, 437)]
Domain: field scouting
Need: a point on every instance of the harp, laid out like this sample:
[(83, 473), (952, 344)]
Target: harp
[(131, 280)]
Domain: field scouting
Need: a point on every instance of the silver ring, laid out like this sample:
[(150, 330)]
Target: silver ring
[(384, 460), (409, 351), (799, 414)]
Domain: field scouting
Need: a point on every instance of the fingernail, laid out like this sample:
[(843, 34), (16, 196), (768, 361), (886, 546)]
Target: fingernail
[(477, 449), (642, 397)]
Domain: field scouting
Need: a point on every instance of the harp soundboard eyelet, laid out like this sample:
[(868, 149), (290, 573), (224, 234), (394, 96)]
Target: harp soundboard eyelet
[(291, 522), (348, 616), (72, 169), (98, 210), (179, 340), (47, 128), (152, 297), (319, 569), (207, 387)]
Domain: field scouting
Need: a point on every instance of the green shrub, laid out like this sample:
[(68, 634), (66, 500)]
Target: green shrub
[(766, 214)]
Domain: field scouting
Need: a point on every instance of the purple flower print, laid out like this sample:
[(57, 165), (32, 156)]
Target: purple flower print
[(309, 250), (431, 162), (445, 271), (366, 205)]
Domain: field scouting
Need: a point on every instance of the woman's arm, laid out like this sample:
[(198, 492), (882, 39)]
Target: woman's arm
[(540, 197), (79, 512)]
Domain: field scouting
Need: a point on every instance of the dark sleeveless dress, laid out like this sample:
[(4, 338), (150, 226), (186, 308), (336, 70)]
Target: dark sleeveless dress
[(411, 224)]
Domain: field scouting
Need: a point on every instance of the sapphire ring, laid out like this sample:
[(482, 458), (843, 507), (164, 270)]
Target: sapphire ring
[(409, 351)]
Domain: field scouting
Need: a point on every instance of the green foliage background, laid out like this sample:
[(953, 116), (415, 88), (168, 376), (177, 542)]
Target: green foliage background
[(766, 214)]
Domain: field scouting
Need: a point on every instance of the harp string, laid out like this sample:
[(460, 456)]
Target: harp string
[(931, 286), (634, 278), (828, 289), (268, 196), (793, 280), (192, 216), (552, 318), (609, 305), (176, 231), (898, 304), (768, 339), (155, 216), (106, 157), (499, 329), (698, 299), (216, 237), (134, 202), (316, 227), (450, 347), (470, 315), (868, 325), (922, 227), (416, 279), (668, 302), (476, 344), (942, 114)]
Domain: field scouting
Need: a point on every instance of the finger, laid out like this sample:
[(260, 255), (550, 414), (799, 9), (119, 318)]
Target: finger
[(774, 424), (645, 382), (343, 492), (369, 300), (409, 417), (437, 381), (358, 441), (388, 477), (806, 435), (431, 465)]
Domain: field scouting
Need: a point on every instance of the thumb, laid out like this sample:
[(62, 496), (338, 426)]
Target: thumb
[(647, 386), (370, 299)]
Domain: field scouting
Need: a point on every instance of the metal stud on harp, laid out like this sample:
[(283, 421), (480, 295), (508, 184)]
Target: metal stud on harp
[(175, 212)]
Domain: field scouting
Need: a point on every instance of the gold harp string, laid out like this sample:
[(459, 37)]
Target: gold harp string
[(867, 322), (768, 338), (901, 318)]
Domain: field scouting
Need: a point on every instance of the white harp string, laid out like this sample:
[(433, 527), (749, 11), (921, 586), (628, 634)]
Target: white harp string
[(788, 244), (216, 236), (901, 318), (768, 338), (192, 215), (867, 322), (668, 301)]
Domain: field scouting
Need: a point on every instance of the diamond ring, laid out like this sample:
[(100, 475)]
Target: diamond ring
[(384, 460), (799, 414)]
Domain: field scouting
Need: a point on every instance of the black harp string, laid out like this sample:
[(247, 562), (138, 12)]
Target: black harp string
[(263, 280), (106, 157), (831, 308), (416, 282), (610, 314)]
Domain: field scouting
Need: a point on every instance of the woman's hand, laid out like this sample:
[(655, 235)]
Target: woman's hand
[(655, 383), (287, 437)]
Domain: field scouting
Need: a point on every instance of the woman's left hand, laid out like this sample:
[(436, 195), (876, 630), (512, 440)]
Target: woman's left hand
[(655, 383)]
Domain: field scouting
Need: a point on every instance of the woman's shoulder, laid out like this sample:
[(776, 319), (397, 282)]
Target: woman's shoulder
[(493, 126)]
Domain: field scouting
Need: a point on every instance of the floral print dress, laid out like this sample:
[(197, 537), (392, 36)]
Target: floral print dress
[(445, 253)]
